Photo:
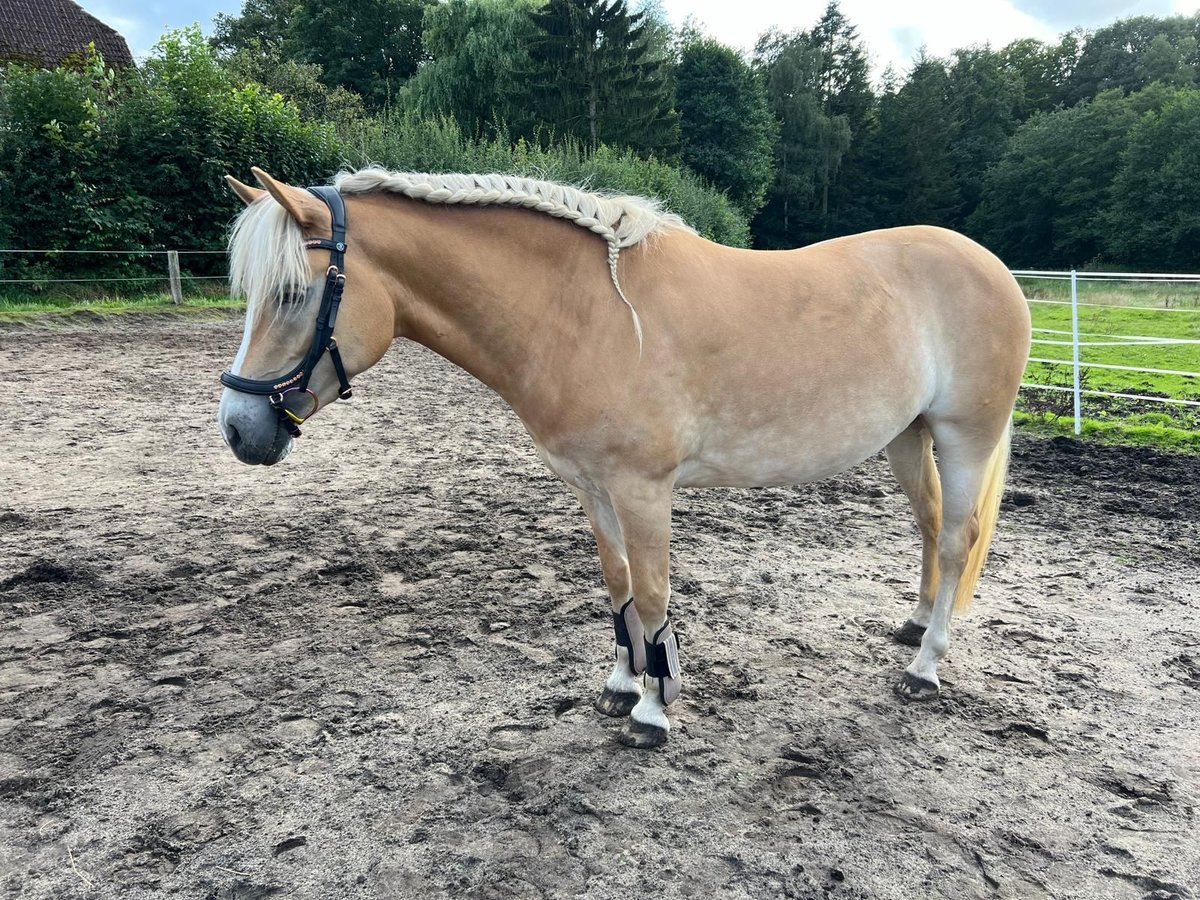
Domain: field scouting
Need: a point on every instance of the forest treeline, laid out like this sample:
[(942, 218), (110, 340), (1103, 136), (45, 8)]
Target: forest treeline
[(1081, 152)]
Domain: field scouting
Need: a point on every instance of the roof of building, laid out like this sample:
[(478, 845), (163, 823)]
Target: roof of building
[(47, 32)]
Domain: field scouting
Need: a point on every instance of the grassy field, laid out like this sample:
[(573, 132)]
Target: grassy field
[(1181, 295), (1122, 314), (17, 308)]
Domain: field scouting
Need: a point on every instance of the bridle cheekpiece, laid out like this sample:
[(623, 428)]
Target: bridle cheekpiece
[(289, 393)]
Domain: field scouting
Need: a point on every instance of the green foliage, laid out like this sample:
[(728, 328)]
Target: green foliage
[(727, 132), (917, 148), (370, 47), (479, 50), (595, 76), (100, 161), (1154, 217), (262, 26), (818, 89), (441, 146), (1132, 53), (300, 83), (1058, 196), (810, 147), (984, 99)]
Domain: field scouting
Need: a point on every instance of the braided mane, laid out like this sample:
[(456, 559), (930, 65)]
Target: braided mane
[(622, 221)]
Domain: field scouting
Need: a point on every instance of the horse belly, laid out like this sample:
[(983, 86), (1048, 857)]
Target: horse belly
[(796, 446)]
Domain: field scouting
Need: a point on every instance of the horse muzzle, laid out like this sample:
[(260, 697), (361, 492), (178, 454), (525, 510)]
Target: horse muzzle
[(252, 428)]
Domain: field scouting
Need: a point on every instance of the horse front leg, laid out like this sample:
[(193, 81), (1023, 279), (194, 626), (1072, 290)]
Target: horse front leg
[(623, 689), (643, 510)]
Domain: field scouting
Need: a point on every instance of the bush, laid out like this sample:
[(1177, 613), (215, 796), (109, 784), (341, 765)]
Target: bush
[(440, 146)]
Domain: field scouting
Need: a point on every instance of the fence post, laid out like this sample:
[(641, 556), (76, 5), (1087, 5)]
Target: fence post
[(1075, 346), (173, 270)]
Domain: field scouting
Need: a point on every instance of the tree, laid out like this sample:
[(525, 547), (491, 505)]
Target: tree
[(810, 147), (479, 49), (983, 98), (919, 126), (300, 83), (370, 47), (1042, 71), (1154, 217), (726, 130), (1127, 55), (594, 76), (1046, 201), (262, 26)]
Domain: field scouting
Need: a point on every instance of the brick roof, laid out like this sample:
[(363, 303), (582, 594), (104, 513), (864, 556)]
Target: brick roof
[(45, 32)]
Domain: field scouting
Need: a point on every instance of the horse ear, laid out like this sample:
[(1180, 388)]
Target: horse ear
[(247, 193), (309, 212)]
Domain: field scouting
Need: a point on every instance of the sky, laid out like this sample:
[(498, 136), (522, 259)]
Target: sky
[(893, 31)]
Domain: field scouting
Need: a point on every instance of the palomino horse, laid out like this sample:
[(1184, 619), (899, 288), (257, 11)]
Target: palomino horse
[(689, 364)]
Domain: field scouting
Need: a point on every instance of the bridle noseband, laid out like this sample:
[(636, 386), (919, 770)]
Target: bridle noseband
[(296, 381)]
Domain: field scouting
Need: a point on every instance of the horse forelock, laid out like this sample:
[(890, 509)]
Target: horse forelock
[(266, 257)]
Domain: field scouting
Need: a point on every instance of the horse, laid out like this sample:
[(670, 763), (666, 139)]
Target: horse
[(642, 358)]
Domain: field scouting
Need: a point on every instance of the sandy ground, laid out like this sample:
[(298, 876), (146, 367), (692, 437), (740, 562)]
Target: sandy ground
[(368, 672)]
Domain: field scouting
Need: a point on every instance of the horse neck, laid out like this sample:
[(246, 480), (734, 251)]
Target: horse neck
[(484, 288)]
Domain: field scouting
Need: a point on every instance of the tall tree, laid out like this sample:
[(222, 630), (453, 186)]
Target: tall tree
[(1154, 218), (919, 121), (810, 148), (479, 50), (1116, 56), (595, 76), (1046, 201), (726, 130), (836, 73), (262, 26), (370, 47), (1042, 71), (984, 99)]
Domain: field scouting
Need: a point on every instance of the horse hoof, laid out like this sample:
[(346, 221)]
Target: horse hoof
[(617, 704), (912, 687), (910, 634), (641, 736)]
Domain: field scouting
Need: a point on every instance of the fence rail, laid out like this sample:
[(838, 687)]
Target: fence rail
[(173, 275), (1077, 338)]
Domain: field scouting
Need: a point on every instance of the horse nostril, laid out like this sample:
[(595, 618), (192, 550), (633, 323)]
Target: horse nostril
[(232, 436)]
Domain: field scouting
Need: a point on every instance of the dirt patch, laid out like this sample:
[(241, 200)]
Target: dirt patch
[(368, 672)]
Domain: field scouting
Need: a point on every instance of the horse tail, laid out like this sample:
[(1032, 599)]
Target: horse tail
[(987, 508)]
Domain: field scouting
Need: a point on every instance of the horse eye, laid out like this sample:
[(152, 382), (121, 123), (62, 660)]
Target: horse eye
[(291, 298)]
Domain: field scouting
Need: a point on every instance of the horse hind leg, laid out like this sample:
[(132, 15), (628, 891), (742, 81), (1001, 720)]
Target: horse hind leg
[(623, 689), (911, 457), (973, 468)]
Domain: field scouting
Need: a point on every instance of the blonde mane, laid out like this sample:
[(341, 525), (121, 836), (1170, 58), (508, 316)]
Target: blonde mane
[(267, 255), (621, 220)]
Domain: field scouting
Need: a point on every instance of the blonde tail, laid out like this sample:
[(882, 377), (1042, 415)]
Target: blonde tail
[(987, 508)]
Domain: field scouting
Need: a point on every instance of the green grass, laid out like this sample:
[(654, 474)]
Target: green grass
[(25, 308), (1106, 325), (1134, 430), (1113, 419), (1117, 293)]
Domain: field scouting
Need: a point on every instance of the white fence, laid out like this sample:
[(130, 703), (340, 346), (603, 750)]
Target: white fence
[(172, 276), (1075, 339)]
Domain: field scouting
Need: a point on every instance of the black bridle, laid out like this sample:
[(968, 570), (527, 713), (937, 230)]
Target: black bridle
[(296, 381)]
